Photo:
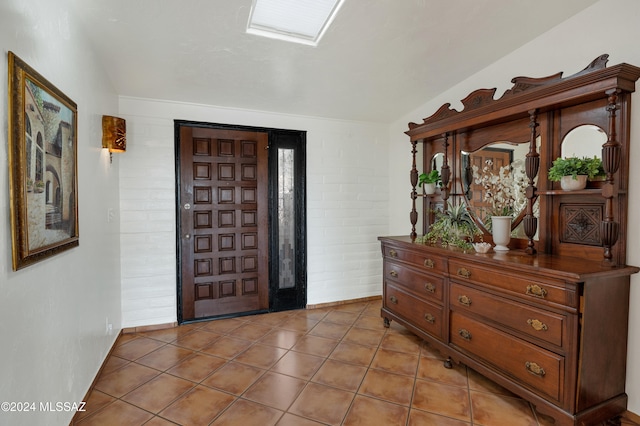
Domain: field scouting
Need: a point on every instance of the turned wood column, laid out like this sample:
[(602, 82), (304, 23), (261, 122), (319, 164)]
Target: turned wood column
[(609, 227), (413, 176), (532, 166)]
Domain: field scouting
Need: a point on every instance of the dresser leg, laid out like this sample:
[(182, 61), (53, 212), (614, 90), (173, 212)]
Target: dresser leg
[(387, 322), (448, 363)]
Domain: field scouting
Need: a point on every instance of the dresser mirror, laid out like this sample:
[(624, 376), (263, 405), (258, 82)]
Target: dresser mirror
[(584, 141)]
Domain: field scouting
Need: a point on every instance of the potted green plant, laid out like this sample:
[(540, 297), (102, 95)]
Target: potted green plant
[(573, 172), (453, 227), (430, 181), (38, 186)]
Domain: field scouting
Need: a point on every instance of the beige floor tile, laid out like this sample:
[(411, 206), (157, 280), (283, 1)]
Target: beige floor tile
[(494, 410), (281, 338), (423, 418), (388, 386), (234, 377), (433, 369), (196, 340), (198, 407), (247, 413), (315, 345), (291, 420), (275, 390), (125, 379), (299, 323), (117, 413), (197, 367), (445, 400), (159, 421), (137, 348), (370, 411), (353, 353), (158, 393), (396, 362), (407, 343), (261, 356), (340, 375), (227, 347), (298, 364), (330, 330), (322, 403), (370, 322), (251, 331), (222, 326), (339, 317), (165, 357), (112, 364), (97, 401), (364, 336)]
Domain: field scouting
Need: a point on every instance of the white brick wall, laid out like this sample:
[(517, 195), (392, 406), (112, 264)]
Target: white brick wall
[(347, 196)]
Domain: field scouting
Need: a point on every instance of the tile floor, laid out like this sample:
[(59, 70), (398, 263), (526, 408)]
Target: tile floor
[(330, 366)]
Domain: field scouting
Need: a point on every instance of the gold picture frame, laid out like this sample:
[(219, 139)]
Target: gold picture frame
[(42, 166)]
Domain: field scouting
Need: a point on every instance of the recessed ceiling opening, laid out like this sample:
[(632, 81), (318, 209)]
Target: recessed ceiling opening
[(298, 21)]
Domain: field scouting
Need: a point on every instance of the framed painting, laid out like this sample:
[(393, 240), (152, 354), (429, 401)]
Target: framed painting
[(42, 166)]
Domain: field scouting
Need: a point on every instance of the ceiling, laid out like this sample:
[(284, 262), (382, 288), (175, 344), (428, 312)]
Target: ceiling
[(379, 60)]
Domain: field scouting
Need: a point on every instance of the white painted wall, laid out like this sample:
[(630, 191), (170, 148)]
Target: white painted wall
[(347, 191), (52, 314), (609, 26)]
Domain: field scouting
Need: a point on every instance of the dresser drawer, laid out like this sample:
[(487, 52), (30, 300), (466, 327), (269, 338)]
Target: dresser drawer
[(541, 369), (420, 283), (527, 286), (544, 325), (424, 261), (424, 315)]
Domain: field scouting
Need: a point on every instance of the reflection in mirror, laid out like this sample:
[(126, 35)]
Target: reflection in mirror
[(494, 182), (437, 161), (584, 141)]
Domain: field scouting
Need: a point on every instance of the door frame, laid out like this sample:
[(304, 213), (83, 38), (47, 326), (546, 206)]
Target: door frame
[(279, 299)]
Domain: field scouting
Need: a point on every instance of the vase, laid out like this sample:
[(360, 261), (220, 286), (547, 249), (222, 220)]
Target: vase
[(430, 188), (501, 231), (568, 183)]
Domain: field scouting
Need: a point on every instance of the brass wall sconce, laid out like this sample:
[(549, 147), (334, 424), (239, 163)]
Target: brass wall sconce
[(114, 134)]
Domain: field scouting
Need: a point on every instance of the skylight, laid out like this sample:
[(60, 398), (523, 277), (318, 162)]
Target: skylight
[(298, 21)]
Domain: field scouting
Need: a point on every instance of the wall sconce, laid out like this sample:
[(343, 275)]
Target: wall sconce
[(114, 135)]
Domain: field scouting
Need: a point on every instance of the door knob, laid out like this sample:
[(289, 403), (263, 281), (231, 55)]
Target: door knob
[(187, 206)]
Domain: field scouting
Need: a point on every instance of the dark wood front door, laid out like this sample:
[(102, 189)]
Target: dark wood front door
[(223, 222)]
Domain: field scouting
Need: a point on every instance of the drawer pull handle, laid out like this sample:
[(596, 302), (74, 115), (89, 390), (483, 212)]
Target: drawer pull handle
[(429, 318), (464, 300), (537, 325), (393, 300), (393, 274), (464, 334), (429, 287), (393, 253), (429, 263), (534, 369), (537, 291), (464, 272)]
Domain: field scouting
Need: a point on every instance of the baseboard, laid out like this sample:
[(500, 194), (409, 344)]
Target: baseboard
[(95, 379), (143, 328), (344, 302)]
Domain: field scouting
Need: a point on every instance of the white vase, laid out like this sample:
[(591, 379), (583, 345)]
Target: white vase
[(568, 183), (430, 188), (501, 231)]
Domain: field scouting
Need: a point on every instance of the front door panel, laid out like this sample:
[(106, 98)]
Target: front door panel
[(223, 208)]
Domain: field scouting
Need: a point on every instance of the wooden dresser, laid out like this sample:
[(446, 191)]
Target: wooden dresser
[(550, 329), (547, 319)]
